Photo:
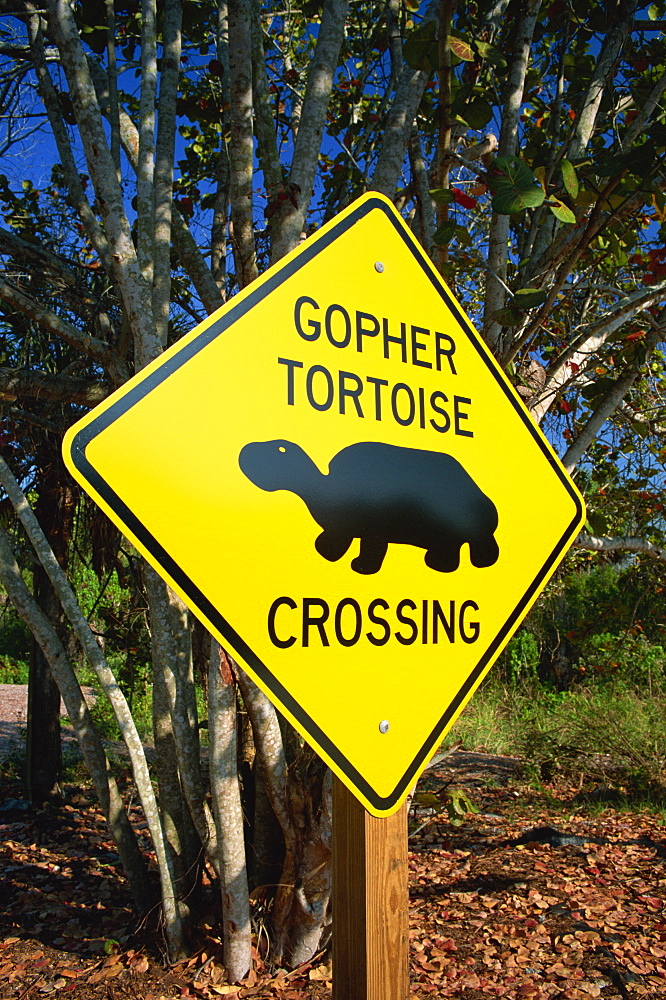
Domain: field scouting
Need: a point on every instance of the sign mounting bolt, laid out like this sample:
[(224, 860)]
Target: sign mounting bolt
[(384, 726), (379, 266)]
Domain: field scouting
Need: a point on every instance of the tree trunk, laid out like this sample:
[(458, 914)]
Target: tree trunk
[(55, 511), (300, 910), (228, 816), (300, 797), (43, 761)]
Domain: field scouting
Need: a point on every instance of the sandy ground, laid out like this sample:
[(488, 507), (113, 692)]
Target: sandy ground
[(13, 714), (13, 708)]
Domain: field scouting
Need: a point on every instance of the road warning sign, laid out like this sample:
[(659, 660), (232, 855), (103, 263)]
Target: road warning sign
[(340, 482)]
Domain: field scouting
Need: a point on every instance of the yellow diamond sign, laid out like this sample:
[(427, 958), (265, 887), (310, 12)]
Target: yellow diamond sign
[(340, 482)]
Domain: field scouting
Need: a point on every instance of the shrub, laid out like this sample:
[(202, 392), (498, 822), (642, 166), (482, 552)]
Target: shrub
[(15, 644), (628, 657), (523, 656), (13, 671)]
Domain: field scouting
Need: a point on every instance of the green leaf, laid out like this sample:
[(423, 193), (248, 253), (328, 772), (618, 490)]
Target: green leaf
[(490, 54), (450, 230), (458, 804), (460, 48), (653, 12), (514, 186), (508, 200), (445, 233), (527, 298), (598, 525), (507, 317), (561, 211), (617, 250), (467, 802), (586, 197), (570, 179), (613, 164), (462, 235), (600, 386), (477, 113), (427, 800), (420, 49), (442, 196)]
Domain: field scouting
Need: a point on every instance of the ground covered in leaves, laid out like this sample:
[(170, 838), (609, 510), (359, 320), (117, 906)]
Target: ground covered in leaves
[(545, 894)]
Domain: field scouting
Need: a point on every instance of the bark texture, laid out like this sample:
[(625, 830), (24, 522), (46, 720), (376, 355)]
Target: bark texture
[(307, 143), (223, 758)]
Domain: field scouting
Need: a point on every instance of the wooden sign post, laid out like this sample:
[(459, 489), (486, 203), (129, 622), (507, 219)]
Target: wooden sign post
[(370, 901)]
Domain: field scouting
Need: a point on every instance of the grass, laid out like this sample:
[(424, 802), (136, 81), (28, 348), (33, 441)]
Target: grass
[(611, 732)]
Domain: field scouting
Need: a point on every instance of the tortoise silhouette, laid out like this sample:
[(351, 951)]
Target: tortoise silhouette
[(382, 494)]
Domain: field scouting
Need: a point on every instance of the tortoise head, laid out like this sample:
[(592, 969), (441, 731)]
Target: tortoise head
[(274, 465)]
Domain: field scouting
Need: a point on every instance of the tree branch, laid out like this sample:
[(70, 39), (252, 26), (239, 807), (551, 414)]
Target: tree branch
[(269, 744), (498, 237), (218, 232), (90, 346), (605, 408), (134, 291), (145, 162), (38, 256), (188, 252), (426, 213), (267, 149), (49, 97), (311, 129), (579, 352), (228, 815), (164, 153), (603, 70), (444, 104), (168, 623), (113, 83), (241, 142), (624, 543), (21, 382), (646, 112)]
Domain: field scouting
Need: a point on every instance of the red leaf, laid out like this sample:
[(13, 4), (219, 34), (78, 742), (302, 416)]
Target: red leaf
[(462, 199), (658, 254)]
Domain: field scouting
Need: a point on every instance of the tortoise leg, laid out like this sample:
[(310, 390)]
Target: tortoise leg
[(371, 556), (332, 546), (443, 559), (484, 552)]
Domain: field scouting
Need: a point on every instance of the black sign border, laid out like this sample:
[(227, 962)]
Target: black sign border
[(231, 315)]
